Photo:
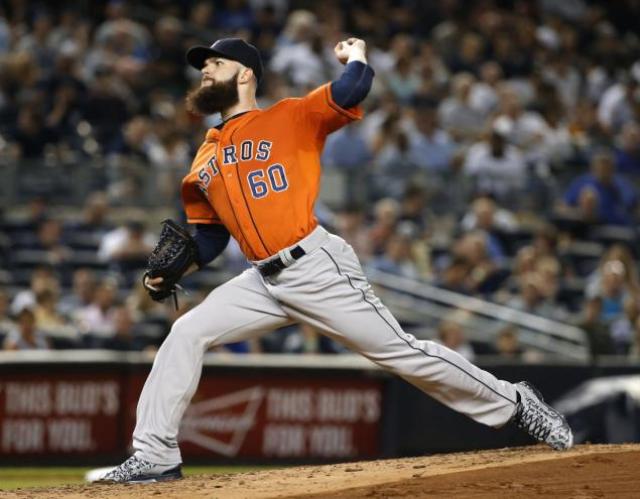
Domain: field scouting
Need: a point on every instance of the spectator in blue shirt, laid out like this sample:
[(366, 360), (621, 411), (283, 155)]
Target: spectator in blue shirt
[(628, 154), (430, 146), (346, 149), (610, 198)]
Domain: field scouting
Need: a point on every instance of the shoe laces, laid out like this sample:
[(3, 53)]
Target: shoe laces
[(534, 420)]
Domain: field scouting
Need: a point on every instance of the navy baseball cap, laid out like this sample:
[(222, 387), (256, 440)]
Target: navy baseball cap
[(228, 48)]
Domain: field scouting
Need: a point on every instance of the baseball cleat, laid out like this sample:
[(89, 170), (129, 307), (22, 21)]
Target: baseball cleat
[(135, 470), (540, 420)]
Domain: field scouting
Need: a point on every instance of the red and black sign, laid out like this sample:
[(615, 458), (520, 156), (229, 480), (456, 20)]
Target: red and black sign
[(271, 417)]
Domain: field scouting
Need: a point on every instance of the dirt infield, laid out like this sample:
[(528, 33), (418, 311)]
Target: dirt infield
[(588, 471)]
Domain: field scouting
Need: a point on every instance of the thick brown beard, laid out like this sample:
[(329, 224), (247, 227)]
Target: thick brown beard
[(214, 98)]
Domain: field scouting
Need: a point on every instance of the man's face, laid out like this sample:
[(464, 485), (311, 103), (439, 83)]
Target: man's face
[(603, 168), (217, 69), (218, 89)]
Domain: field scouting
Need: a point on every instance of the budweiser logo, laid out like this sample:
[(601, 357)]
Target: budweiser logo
[(221, 424)]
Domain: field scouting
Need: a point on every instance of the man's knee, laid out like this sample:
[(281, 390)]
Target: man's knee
[(185, 330)]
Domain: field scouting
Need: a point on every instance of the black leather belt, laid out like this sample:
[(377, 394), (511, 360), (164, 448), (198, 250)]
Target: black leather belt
[(274, 266)]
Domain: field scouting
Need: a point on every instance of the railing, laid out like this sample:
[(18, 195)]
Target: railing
[(418, 302)]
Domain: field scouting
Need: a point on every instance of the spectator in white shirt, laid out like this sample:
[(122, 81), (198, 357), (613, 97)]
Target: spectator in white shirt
[(463, 122), (98, 319), (526, 129), (129, 242), (301, 55), (25, 336), (484, 93), (496, 166), (619, 102)]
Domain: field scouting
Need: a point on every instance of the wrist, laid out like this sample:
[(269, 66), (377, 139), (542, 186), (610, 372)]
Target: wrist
[(357, 54)]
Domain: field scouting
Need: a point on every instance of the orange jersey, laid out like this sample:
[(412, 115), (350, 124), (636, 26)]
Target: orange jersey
[(259, 176)]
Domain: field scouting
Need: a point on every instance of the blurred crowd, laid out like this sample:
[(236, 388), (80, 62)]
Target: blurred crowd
[(499, 155)]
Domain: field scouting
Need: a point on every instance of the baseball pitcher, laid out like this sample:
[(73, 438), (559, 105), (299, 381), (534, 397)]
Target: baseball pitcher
[(256, 178)]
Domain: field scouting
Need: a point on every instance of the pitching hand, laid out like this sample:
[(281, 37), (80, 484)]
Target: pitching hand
[(352, 49)]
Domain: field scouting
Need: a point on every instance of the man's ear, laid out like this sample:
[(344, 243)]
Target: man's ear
[(245, 76)]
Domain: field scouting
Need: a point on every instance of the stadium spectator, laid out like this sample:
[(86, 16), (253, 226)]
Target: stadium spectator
[(81, 295), (622, 330), (498, 223), (106, 109), (615, 253), (531, 298), (394, 164), (496, 167), (167, 56), (564, 77), (42, 278), (545, 240), (601, 196), (484, 92), (613, 290), (528, 130), (451, 334), (300, 54), (95, 218), (31, 135), (430, 147), (596, 328), (413, 206), (404, 80), (470, 269), (127, 247), (619, 102), (125, 337), (350, 225), (48, 318), (507, 343), (96, 321), (386, 213), (50, 243), (397, 257), (346, 149), (458, 117), (36, 41), (628, 152), (25, 335)]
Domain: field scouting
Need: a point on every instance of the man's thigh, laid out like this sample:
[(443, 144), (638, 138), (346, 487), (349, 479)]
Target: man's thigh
[(238, 310)]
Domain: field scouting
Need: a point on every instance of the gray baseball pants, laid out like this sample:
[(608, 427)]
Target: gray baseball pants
[(326, 289)]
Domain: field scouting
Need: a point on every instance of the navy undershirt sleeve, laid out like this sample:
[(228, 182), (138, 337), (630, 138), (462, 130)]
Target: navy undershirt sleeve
[(211, 239), (353, 85)]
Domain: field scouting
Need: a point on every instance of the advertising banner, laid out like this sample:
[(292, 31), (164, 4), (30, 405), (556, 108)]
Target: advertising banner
[(74, 413), (274, 417)]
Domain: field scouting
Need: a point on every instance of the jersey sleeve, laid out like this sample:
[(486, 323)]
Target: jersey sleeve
[(318, 111), (196, 205)]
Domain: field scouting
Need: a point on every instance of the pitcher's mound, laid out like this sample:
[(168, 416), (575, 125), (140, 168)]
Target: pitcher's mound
[(587, 471)]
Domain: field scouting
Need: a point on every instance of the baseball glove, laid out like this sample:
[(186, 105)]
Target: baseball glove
[(173, 255)]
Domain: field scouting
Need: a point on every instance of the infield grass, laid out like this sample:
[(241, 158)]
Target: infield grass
[(14, 478)]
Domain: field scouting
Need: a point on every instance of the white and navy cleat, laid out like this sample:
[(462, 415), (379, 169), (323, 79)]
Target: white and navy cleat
[(540, 420), (136, 470)]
